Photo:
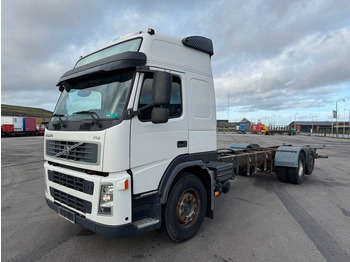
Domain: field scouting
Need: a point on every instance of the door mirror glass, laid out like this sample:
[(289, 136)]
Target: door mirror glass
[(159, 115), (161, 88)]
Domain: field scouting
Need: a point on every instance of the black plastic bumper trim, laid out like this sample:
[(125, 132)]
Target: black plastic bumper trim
[(112, 231)]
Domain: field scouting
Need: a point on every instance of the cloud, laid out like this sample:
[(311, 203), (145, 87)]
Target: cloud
[(268, 54), (301, 75)]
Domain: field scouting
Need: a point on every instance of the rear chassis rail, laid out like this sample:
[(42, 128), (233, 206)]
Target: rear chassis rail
[(249, 161)]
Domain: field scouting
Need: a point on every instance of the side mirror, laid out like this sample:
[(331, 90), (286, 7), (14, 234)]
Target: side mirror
[(161, 88), (159, 115)]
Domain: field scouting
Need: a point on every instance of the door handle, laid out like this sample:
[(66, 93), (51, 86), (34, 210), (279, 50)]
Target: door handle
[(181, 143)]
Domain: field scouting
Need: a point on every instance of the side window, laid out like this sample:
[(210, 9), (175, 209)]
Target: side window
[(175, 106)]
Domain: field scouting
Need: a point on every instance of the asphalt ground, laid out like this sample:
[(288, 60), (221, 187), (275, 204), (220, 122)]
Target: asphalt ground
[(260, 219)]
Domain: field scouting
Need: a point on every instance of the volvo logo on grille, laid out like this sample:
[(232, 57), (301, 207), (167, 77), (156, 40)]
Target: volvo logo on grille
[(67, 149)]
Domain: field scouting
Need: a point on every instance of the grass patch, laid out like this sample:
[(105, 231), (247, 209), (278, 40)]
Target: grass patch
[(9, 110)]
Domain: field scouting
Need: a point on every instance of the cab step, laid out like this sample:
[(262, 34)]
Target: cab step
[(145, 222)]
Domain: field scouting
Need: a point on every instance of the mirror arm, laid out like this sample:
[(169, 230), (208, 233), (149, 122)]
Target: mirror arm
[(146, 106), (131, 113)]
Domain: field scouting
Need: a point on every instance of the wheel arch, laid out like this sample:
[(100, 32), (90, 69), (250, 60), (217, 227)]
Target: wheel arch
[(195, 167)]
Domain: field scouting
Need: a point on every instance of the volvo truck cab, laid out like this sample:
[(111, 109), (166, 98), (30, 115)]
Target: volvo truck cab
[(131, 146)]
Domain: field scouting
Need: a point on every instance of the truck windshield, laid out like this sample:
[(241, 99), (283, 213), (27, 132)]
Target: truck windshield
[(102, 96)]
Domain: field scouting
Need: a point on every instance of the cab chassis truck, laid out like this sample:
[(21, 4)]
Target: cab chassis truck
[(131, 146)]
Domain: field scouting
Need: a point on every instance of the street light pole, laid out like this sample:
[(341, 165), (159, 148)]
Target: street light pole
[(344, 125), (312, 127), (295, 122), (228, 106), (336, 110), (348, 122)]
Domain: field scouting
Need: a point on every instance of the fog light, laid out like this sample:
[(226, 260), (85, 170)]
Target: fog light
[(106, 200)]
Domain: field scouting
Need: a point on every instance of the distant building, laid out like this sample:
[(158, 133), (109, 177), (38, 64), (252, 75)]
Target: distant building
[(225, 125), (318, 126)]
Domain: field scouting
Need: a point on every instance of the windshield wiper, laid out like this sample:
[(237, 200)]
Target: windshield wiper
[(60, 119), (91, 113)]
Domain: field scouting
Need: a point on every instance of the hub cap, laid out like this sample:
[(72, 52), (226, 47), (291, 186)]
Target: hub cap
[(187, 208), (301, 168)]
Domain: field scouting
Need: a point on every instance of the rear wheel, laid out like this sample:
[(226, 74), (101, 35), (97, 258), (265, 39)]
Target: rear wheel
[(186, 207), (281, 172), (296, 174), (310, 161)]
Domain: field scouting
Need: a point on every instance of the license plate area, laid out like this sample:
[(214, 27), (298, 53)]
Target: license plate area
[(66, 214)]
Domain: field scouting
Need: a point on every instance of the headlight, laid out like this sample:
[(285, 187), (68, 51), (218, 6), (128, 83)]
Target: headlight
[(106, 200)]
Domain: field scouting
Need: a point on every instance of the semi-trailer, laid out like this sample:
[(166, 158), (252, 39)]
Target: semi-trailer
[(132, 147), (259, 129), (20, 126)]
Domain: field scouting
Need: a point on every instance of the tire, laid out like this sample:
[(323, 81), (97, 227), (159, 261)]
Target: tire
[(281, 172), (185, 209), (310, 161), (296, 174)]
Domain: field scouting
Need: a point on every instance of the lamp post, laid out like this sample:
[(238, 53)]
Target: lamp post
[(348, 122), (344, 125), (228, 106), (336, 110), (295, 122), (312, 126)]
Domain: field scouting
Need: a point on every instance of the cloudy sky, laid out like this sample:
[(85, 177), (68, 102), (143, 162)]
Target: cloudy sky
[(274, 60)]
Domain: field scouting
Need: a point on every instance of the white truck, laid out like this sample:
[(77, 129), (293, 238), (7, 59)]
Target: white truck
[(131, 146)]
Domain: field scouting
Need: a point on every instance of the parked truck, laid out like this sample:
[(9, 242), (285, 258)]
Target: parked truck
[(20, 126), (273, 130), (260, 129), (132, 144), (241, 129)]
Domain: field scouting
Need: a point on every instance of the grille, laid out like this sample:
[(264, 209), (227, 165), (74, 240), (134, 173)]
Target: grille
[(81, 152), (71, 201), (72, 182)]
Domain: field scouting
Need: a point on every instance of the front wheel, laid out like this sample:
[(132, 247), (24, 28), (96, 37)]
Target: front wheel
[(186, 207)]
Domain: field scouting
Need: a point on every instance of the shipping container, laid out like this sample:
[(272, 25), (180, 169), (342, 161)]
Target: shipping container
[(6, 128), (29, 124), (18, 123), (8, 120)]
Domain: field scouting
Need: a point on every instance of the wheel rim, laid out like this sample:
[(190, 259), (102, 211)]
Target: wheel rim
[(301, 168), (187, 208)]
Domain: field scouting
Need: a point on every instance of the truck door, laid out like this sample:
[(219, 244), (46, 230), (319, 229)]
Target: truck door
[(154, 146)]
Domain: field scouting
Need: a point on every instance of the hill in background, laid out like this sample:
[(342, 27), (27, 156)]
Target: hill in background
[(9, 110)]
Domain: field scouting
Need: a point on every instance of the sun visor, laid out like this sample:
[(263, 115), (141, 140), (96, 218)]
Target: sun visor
[(115, 62)]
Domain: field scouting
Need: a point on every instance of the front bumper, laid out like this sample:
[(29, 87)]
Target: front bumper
[(125, 230)]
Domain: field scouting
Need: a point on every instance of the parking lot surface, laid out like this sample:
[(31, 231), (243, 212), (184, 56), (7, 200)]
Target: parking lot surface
[(260, 219)]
